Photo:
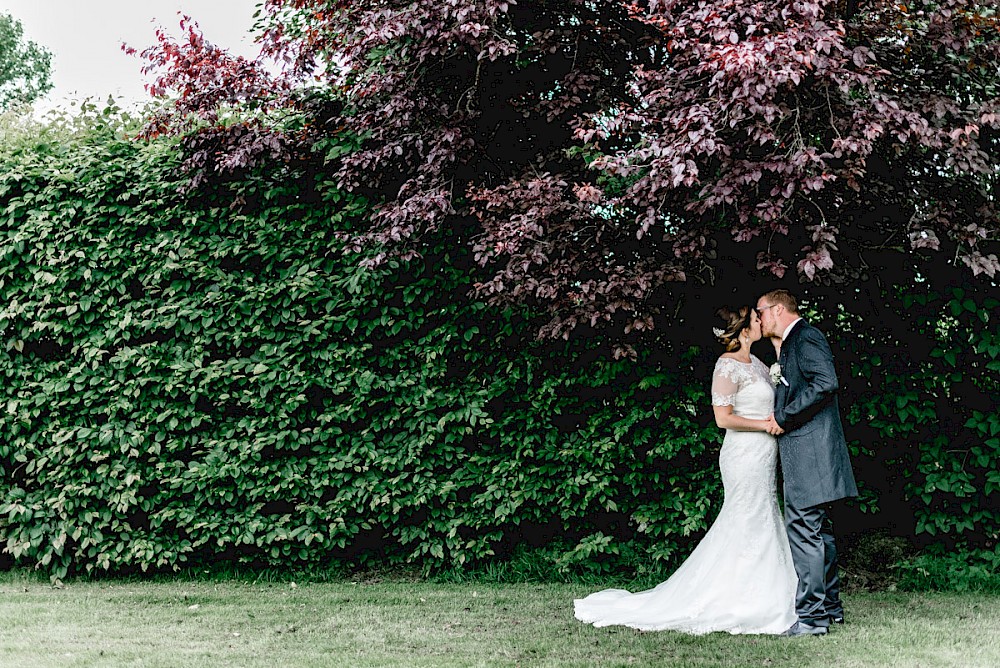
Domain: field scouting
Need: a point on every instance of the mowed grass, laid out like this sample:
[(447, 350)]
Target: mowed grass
[(417, 623)]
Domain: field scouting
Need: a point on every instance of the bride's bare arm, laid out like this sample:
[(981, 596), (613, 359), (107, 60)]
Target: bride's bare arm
[(726, 419)]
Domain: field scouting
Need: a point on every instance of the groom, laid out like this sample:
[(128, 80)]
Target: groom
[(814, 458)]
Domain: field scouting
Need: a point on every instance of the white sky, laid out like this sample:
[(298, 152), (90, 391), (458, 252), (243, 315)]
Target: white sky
[(85, 39)]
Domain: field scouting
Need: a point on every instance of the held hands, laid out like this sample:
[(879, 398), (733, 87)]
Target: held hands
[(772, 427)]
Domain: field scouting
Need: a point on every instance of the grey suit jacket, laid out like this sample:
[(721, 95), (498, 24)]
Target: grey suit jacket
[(814, 457)]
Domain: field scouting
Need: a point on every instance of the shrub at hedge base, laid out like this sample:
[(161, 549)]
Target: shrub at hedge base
[(204, 377), (189, 378)]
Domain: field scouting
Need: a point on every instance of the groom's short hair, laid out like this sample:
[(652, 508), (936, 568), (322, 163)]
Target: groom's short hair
[(785, 298)]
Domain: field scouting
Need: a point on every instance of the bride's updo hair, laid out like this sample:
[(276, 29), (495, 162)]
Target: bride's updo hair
[(734, 321)]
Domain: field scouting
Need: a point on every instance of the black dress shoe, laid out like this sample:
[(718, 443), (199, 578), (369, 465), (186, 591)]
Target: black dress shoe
[(802, 629)]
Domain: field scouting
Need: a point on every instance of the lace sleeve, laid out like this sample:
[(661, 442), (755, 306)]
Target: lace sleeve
[(724, 384)]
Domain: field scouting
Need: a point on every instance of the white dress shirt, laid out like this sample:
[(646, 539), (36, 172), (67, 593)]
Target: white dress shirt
[(788, 330)]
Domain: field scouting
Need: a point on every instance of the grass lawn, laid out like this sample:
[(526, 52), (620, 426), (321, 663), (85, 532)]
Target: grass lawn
[(413, 623)]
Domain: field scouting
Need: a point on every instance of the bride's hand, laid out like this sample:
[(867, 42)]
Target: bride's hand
[(773, 428)]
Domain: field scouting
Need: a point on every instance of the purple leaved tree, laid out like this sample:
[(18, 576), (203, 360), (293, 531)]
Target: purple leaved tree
[(601, 158)]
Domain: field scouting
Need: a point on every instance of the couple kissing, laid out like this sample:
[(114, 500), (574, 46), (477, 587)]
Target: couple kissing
[(757, 570)]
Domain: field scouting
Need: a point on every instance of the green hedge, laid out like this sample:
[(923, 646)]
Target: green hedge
[(956, 570), (198, 377), (191, 377), (921, 394)]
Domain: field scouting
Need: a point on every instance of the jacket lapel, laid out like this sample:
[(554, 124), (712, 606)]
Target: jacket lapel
[(782, 390), (791, 339)]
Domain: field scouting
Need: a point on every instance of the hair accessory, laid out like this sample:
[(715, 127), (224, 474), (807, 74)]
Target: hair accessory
[(718, 332)]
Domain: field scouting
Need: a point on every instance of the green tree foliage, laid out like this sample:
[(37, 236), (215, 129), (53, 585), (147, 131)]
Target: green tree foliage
[(24, 65)]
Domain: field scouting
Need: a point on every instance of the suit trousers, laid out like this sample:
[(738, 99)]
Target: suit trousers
[(814, 554)]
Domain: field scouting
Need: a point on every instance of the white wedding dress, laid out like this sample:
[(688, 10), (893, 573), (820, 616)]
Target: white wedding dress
[(740, 577)]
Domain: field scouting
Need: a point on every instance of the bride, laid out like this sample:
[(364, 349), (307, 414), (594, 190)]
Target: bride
[(740, 577)]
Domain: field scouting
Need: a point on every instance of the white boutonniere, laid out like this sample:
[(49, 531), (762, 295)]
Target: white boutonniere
[(776, 376)]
